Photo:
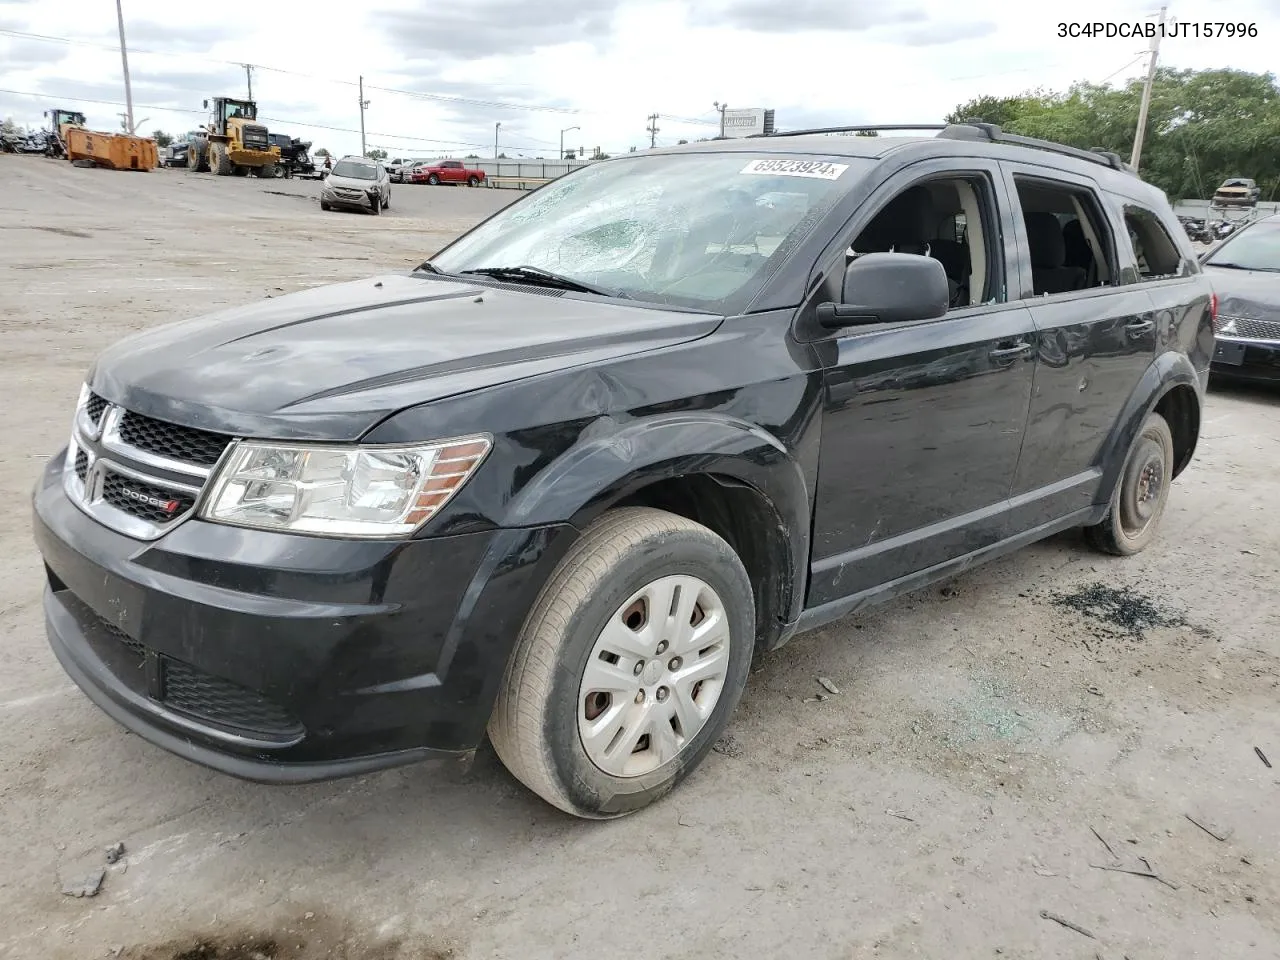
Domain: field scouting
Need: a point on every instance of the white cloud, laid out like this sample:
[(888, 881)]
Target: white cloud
[(600, 65)]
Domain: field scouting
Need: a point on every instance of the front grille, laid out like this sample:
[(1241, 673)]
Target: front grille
[(254, 136), (170, 440), (82, 464), (146, 501), (1251, 329), (219, 701), (93, 409)]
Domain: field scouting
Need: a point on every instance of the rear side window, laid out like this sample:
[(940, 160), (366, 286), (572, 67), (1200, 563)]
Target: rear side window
[(1069, 244), (1157, 254)]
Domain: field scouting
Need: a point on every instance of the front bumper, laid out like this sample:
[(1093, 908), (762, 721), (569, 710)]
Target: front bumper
[(365, 201), (281, 658), (1256, 361)]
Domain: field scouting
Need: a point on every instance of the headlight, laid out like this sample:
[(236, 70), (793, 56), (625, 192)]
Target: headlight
[(340, 491)]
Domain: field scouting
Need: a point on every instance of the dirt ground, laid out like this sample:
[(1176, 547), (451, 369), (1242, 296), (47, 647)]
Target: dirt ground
[(999, 749)]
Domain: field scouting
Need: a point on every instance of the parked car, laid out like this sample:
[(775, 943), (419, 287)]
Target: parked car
[(357, 182), (399, 169), (564, 479), (448, 171), (1237, 192), (1245, 272)]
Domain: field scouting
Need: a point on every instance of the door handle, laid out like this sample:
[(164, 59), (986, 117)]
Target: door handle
[(1011, 351), (1139, 327)]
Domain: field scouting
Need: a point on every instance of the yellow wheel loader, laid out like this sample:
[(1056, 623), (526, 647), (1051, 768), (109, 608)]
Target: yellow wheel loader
[(233, 143)]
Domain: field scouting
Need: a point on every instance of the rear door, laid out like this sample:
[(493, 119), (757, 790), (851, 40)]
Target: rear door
[(1097, 335), (452, 172), (922, 422)]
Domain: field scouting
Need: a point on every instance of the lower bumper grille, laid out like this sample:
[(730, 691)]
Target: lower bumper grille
[(188, 690)]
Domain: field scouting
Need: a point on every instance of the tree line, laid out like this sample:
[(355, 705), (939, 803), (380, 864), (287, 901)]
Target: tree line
[(1203, 126)]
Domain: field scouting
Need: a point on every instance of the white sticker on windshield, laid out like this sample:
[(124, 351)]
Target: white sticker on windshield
[(815, 169)]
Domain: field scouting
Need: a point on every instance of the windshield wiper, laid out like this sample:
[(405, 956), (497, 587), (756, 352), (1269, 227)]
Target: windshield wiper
[(1228, 265), (543, 278)]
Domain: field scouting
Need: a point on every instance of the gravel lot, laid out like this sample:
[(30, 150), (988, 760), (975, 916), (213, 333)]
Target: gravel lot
[(993, 744)]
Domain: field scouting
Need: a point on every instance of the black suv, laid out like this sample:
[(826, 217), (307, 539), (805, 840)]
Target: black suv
[(560, 482)]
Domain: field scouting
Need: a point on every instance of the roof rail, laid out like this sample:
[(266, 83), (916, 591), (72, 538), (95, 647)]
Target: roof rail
[(991, 133), (867, 128)]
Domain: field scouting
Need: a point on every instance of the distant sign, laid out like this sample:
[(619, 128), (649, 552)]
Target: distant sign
[(748, 122)]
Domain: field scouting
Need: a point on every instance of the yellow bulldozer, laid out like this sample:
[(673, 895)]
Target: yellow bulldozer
[(232, 143)]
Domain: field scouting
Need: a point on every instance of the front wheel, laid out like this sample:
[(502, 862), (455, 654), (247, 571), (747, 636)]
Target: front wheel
[(629, 665), (433, 180), (1140, 496)]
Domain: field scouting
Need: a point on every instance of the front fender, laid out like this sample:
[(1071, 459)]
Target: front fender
[(1167, 371), (612, 460)]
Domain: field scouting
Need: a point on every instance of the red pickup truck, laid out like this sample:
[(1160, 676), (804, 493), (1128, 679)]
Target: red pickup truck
[(447, 171)]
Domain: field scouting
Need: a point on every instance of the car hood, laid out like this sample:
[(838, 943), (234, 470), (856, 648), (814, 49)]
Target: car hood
[(332, 362), (1252, 294)]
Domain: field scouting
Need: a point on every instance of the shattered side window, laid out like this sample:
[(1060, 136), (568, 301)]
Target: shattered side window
[(689, 229)]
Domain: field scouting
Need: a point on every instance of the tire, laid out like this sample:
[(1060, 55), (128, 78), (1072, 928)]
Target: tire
[(324, 205), (386, 204), (376, 207), (473, 181), (195, 156), (433, 180), (277, 171), (546, 701), (219, 163), (1131, 523)]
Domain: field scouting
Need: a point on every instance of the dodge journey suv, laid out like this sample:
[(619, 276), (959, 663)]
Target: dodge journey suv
[(558, 484)]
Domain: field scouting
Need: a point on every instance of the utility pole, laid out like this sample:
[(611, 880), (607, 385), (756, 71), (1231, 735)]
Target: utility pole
[(1145, 108), (653, 130), (364, 105), (722, 107), (248, 76), (496, 127), (124, 59)]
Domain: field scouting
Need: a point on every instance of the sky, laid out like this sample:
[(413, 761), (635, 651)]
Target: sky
[(440, 76)]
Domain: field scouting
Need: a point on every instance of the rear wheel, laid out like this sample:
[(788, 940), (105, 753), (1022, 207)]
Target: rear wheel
[(1140, 496), (629, 665), (277, 171), (195, 156), (473, 181)]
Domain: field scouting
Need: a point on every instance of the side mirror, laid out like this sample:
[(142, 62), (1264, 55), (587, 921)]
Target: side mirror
[(889, 288), (206, 104)]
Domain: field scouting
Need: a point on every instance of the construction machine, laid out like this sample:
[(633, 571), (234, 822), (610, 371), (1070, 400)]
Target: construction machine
[(60, 124), (69, 137), (232, 143)]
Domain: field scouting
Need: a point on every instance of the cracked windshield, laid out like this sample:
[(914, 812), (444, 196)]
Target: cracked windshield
[(684, 230)]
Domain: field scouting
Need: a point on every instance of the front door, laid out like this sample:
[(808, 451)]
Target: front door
[(1097, 329), (923, 422)]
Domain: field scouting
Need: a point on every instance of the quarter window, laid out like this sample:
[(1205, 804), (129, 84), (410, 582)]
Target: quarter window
[(1158, 256)]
